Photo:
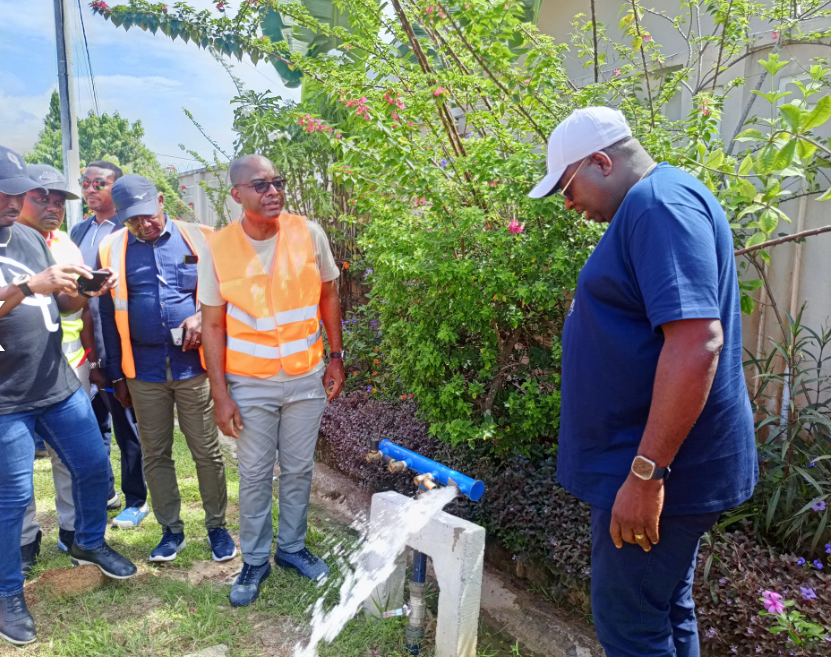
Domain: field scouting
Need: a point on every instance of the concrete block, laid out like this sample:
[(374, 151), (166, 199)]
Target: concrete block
[(457, 550), (219, 650)]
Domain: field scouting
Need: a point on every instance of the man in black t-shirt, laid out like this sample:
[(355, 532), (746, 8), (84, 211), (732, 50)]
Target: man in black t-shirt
[(39, 392)]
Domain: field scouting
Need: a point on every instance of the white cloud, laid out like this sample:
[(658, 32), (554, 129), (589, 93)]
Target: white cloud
[(140, 75), (25, 115)]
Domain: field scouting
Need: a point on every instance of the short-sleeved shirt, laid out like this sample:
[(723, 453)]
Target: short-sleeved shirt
[(666, 256), (33, 371), (265, 249)]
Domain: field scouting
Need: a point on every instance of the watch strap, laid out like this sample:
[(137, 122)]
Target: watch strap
[(336, 354), (27, 291), (661, 473)]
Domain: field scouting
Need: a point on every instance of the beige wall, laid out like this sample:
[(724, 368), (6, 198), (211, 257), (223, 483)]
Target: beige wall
[(194, 194), (799, 273)]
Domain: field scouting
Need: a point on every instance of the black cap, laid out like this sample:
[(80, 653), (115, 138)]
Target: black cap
[(13, 178), (50, 179), (134, 196)]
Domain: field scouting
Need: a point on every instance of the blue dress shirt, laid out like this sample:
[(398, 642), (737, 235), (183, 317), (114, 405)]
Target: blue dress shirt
[(161, 291)]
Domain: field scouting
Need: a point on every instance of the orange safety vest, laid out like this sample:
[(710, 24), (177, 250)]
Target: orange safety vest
[(196, 237), (272, 319)]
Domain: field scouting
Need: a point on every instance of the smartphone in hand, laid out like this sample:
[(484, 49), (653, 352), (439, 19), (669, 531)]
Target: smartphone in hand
[(95, 283)]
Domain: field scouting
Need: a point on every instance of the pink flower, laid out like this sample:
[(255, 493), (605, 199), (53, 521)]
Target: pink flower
[(617, 72), (515, 228), (440, 91), (647, 38), (348, 47), (338, 136), (164, 8), (774, 35), (773, 602), (221, 6), (527, 81), (428, 11)]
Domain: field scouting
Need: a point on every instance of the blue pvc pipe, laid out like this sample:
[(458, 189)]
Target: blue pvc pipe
[(472, 488), (419, 567)]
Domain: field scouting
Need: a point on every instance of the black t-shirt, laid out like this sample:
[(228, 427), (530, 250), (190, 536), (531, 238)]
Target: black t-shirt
[(33, 370)]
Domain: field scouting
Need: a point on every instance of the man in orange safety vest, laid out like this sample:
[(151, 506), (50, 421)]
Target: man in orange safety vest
[(266, 286)]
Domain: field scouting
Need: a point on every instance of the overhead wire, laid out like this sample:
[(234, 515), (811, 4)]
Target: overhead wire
[(88, 60)]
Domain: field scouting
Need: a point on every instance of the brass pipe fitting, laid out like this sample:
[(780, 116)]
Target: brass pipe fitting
[(425, 480), (373, 456), (397, 466)]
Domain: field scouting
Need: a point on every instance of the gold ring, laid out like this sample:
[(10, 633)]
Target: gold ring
[(638, 537)]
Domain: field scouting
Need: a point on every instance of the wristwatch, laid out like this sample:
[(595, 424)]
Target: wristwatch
[(644, 468), (22, 282), (337, 354)]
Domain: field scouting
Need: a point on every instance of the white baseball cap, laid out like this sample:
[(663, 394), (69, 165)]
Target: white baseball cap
[(584, 132)]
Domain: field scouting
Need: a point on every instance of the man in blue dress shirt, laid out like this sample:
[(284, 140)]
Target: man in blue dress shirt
[(656, 431), (152, 331)]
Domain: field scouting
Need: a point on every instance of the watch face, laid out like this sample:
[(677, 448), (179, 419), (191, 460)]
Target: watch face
[(643, 467)]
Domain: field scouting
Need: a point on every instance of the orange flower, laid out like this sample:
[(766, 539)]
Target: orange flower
[(374, 390), (374, 373), (346, 265), (376, 361)]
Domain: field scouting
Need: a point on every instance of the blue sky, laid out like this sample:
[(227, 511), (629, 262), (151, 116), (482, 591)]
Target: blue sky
[(141, 76)]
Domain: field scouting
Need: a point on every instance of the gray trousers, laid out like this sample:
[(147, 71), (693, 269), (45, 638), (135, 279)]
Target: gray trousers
[(63, 486), (281, 421), (153, 404)]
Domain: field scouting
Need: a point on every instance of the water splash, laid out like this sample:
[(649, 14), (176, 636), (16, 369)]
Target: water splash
[(372, 563)]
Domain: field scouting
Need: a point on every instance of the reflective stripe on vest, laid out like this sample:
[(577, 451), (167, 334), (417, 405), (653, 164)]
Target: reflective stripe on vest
[(195, 236), (272, 319)]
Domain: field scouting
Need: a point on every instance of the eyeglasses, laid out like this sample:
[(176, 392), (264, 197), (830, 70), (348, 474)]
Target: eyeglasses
[(97, 185), (562, 192), (261, 186)]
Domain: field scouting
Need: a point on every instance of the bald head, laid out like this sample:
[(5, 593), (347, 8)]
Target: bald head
[(243, 168), (257, 188)]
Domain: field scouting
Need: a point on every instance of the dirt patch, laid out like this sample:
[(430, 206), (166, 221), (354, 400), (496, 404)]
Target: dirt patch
[(64, 583), (221, 573), (276, 637)]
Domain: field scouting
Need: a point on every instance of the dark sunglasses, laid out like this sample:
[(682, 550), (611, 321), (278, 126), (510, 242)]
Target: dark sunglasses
[(97, 185), (261, 186)]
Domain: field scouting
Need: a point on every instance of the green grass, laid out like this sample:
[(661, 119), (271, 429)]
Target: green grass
[(160, 613)]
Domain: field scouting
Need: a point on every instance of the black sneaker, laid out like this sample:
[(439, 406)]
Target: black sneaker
[(111, 563), (66, 538), (16, 623), (247, 587), (29, 554)]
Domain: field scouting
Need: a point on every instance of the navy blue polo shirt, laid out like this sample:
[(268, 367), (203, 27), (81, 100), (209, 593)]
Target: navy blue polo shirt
[(667, 255)]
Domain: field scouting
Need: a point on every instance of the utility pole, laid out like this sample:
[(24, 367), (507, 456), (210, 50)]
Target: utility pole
[(69, 119)]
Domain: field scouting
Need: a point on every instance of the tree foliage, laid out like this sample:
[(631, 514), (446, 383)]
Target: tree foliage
[(112, 138)]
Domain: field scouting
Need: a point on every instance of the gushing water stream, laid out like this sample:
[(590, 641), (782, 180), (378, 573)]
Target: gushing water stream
[(372, 563)]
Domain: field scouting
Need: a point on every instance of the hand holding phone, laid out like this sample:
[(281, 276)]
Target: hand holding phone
[(99, 277)]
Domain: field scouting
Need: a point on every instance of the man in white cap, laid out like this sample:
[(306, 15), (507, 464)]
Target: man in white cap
[(652, 380)]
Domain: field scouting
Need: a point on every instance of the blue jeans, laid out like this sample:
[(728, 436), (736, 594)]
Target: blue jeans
[(69, 427), (642, 601)]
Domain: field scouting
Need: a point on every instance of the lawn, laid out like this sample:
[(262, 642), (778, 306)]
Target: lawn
[(182, 607)]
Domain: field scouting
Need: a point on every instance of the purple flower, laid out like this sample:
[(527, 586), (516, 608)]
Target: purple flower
[(828, 548), (369, 388), (801, 561), (819, 506), (368, 272), (722, 580), (773, 602), (807, 593), (818, 564), (711, 632), (442, 163)]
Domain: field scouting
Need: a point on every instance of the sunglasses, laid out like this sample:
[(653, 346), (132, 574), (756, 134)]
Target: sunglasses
[(97, 185), (261, 186)]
